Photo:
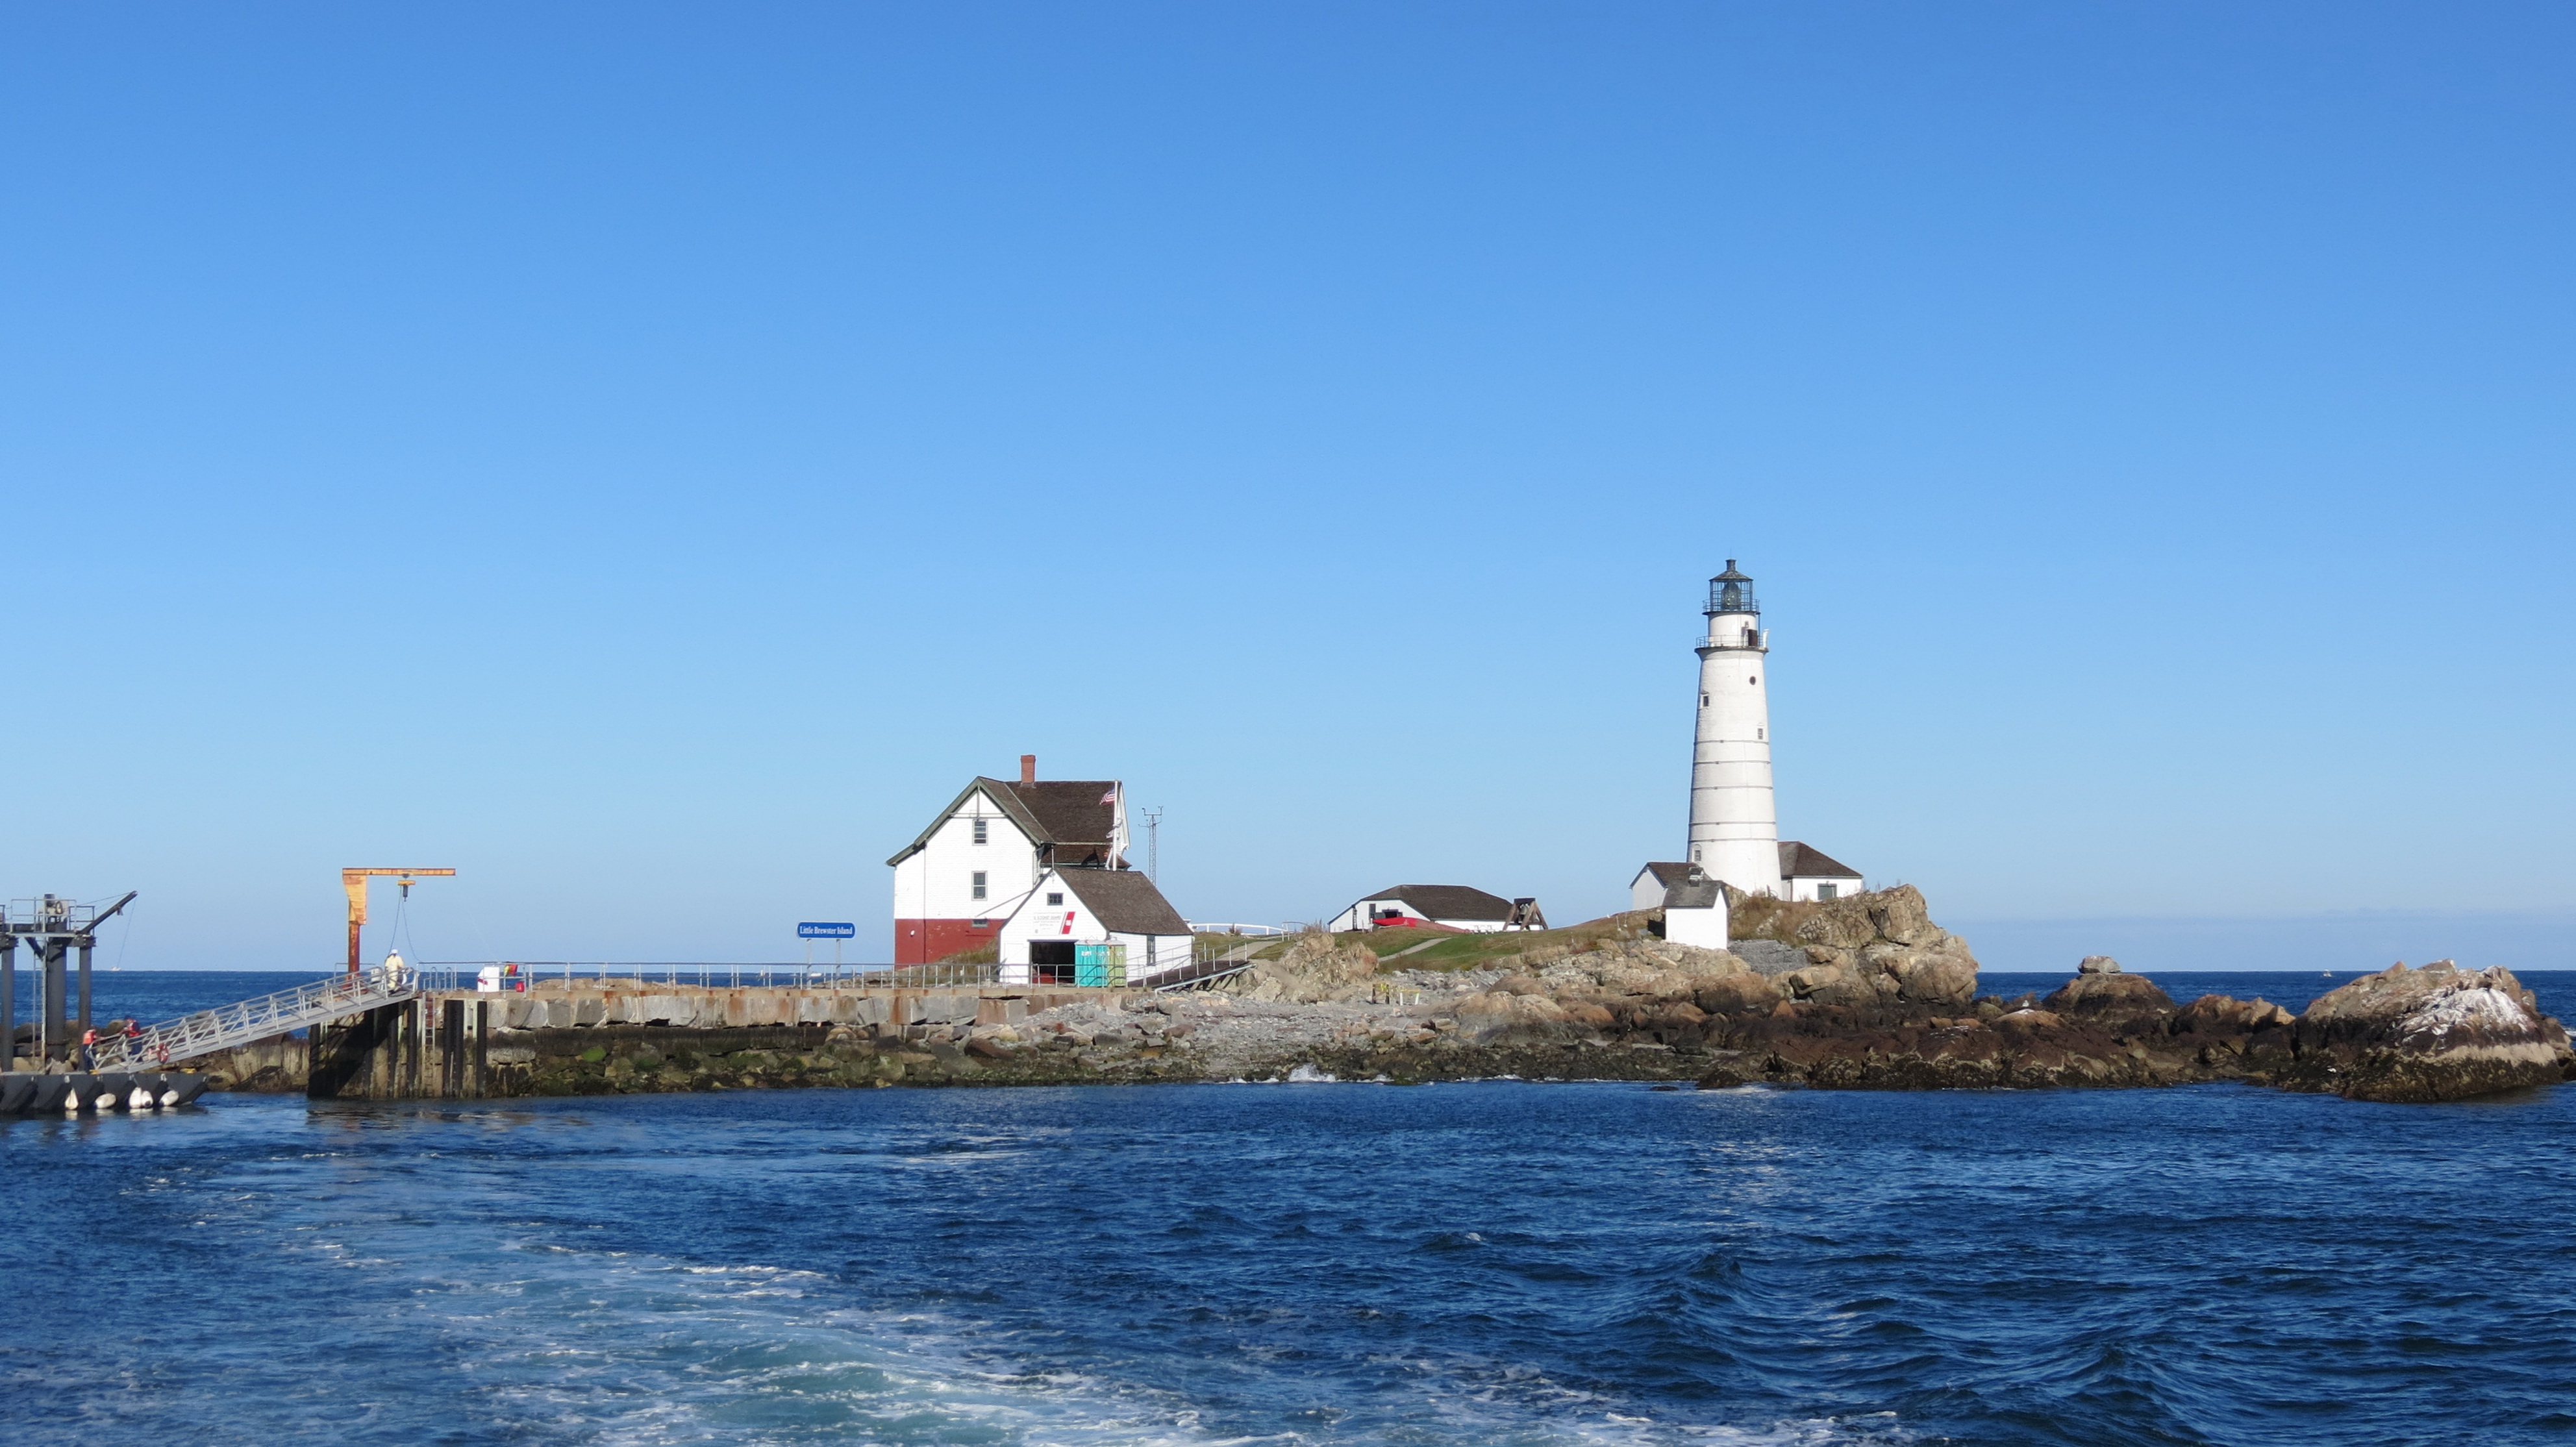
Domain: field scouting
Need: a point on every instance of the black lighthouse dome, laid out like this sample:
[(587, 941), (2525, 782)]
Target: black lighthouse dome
[(1731, 592)]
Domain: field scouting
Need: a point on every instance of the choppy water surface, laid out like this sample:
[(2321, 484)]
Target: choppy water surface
[(1500, 1263)]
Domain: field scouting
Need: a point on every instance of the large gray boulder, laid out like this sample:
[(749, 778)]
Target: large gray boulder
[(1881, 950)]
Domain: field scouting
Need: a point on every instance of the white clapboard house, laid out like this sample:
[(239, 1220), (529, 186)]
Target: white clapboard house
[(977, 861)]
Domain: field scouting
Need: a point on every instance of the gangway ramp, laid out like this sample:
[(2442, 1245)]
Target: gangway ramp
[(1199, 974), (228, 1026)]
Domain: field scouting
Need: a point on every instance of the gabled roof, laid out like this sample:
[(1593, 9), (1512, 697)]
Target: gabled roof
[(1700, 893), (1066, 814), (1123, 900), (1665, 873), (1448, 901), (1799, 861), (1067, 811)]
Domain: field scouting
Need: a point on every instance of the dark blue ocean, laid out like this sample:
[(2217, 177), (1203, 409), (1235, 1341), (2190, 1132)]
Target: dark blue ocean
[(1498, 1263)]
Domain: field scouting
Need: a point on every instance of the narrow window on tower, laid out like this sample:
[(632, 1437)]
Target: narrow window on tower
[(1757, 733), (979, 884), (980, 826), (1703, 700)]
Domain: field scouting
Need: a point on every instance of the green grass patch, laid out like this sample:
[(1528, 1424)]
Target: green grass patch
[(1500, 950)]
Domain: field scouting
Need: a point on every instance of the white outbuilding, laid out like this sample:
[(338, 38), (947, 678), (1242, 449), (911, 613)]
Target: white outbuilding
[(1115, 917), (1646, 891), (1805, 873), (1695, 913), (1808, 873), (1455, 906)]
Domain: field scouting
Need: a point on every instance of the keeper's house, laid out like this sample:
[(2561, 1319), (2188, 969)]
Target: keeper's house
[(961, 878), (1092, 927), (1452, 906)]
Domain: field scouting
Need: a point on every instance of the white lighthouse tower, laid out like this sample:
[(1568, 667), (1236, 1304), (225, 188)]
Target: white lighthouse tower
[(1734, 828)]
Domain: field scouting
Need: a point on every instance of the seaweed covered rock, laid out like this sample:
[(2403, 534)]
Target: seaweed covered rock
[(2438, 1033), (1839, 1048)]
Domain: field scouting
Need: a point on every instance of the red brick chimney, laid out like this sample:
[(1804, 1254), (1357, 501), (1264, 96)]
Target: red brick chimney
[(1028, 768)]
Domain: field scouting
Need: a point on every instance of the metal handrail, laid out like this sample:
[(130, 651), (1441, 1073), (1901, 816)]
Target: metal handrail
[(463, 975), (228, 1026)]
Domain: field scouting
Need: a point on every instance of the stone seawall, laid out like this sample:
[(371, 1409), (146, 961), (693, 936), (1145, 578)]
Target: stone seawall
[(587, 1039)]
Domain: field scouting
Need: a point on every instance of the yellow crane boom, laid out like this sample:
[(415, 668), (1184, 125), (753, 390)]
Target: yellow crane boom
[(354, 881)]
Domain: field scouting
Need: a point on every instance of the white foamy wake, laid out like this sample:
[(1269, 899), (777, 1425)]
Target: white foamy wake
[(622, 1349), (514, 1329)]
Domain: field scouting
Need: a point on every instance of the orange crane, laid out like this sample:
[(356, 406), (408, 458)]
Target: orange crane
[(355, 882)]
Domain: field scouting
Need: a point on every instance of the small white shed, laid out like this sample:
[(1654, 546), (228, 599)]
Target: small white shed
[(1695, 913)]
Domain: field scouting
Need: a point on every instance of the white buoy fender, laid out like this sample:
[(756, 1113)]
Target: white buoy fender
[(141, 1099), (169, 1097)]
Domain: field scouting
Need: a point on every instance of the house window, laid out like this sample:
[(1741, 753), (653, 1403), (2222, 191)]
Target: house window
[(1051, 899), (980, 827), (1827, 891), (979, 884), (979, 924)]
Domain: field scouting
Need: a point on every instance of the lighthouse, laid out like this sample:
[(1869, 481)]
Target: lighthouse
[(1734, 828)]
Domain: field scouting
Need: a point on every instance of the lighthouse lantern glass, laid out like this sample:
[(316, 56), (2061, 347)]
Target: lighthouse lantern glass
[(1731, 592)]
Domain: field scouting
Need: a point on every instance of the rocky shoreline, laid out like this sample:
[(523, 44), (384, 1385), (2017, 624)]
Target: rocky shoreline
[(1866, 994)]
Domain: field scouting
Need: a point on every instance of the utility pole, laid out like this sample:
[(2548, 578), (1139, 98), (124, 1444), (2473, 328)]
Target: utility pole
[(1154, 844)]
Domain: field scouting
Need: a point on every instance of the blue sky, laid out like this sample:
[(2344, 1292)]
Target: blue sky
[(648, 457)]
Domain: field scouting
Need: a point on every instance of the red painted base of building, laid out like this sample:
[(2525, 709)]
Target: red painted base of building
[(926, 941)]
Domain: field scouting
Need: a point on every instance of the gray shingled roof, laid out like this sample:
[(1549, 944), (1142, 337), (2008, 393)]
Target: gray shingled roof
[(1800, 861), (1448, 901), (1124, 901), (1067, 811), (1669, 872), (1064, 816), (1700, 893)]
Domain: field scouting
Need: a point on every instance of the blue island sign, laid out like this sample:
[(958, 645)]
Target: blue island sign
[(811, 931)]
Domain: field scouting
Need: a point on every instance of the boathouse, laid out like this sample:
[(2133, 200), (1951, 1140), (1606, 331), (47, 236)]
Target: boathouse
[(1090, 926)]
